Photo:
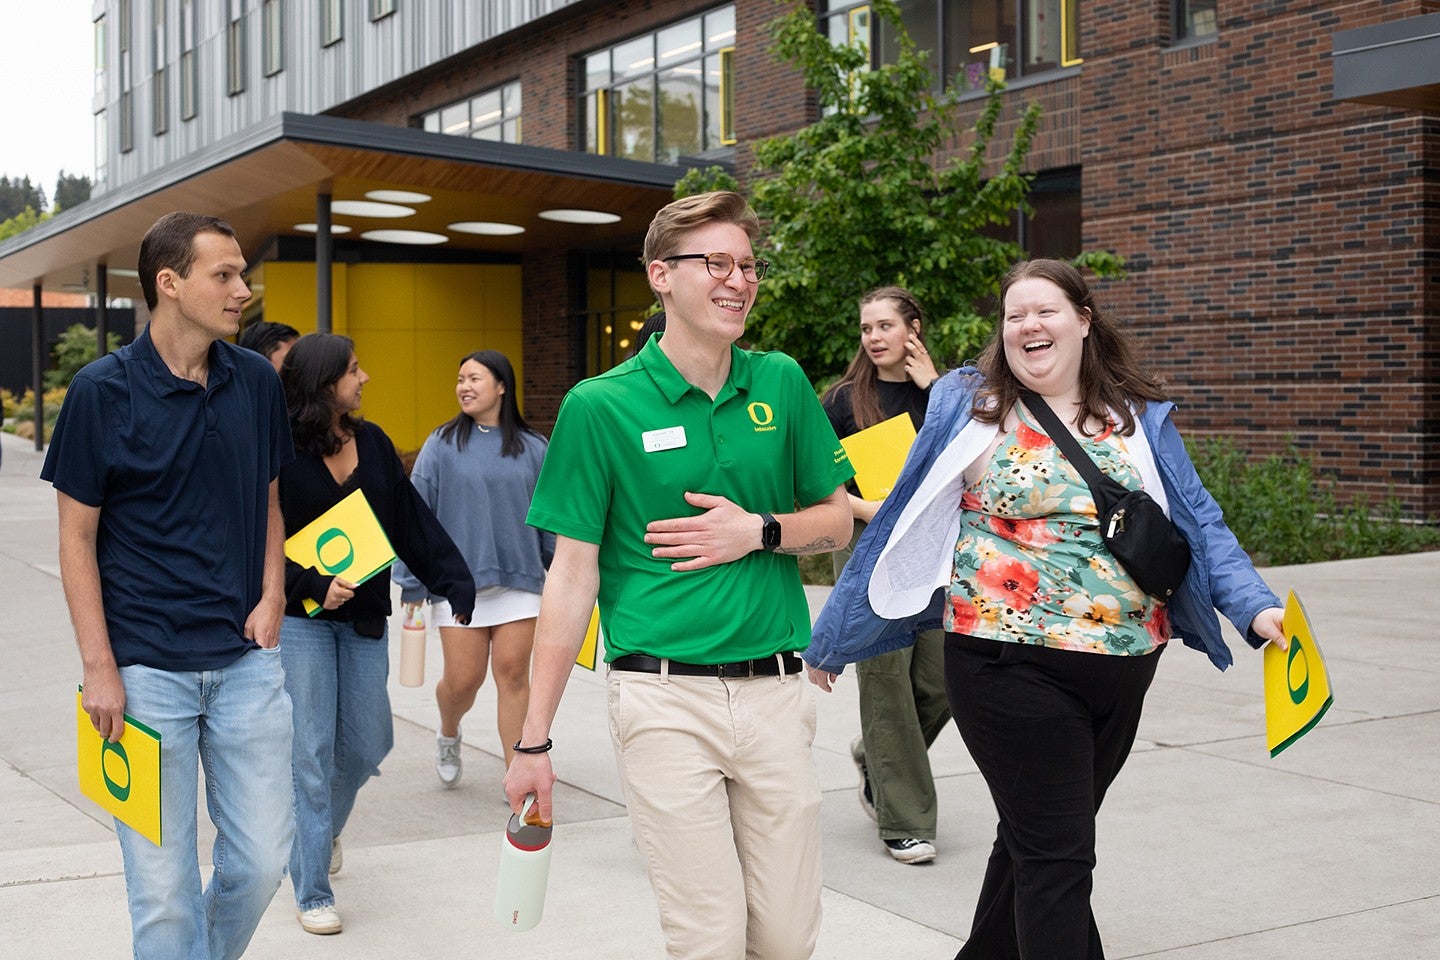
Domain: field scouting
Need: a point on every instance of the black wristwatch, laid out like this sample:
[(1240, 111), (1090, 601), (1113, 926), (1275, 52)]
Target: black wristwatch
[(769, 533)]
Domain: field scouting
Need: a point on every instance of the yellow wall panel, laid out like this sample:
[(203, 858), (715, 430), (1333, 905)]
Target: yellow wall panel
[(501, 304), (411, 324)]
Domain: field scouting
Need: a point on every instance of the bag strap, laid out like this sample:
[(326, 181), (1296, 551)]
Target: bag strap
[(1101, 486)]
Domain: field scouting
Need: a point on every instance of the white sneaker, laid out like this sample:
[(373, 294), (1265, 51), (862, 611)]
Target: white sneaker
[(447, 758), (911, 850), (337, 856), (320, 920)]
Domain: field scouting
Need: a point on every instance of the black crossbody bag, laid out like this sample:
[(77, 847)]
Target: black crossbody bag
[(1132, 524)]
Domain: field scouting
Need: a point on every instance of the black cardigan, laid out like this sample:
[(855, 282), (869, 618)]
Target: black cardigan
[(307, 490)]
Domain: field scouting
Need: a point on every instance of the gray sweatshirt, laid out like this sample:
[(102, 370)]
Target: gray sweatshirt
[(481, 499)]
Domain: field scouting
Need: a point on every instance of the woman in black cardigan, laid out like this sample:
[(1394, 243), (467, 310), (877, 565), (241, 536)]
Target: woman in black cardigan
[(337, 662)]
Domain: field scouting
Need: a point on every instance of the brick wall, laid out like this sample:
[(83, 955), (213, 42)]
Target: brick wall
[(1281, 275), (552, 292)]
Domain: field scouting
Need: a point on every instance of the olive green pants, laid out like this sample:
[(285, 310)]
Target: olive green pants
[(902, 710)]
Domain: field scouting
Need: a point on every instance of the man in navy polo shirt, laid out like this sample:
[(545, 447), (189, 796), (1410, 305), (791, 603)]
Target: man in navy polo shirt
[(164, 461)]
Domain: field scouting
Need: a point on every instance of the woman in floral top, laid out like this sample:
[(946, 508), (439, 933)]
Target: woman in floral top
[(1050, 646)]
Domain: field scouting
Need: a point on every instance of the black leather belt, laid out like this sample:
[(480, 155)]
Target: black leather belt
[(767, 667)]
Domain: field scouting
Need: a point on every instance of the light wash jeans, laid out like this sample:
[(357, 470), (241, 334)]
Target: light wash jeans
[(343, 729), (236, 722)]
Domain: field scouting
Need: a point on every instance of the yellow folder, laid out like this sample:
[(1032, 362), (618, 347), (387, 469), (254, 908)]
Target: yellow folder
[(590, 649), (877, 453), (1297, 685), (344, 541), (124, 776)]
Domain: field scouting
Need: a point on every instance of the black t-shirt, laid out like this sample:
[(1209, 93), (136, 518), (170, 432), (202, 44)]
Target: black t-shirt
[(895, 399)]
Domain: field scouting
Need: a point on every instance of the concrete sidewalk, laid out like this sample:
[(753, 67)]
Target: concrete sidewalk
[(1209, 850)]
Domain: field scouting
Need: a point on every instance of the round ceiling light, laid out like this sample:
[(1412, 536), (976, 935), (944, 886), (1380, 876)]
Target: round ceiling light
[(398, 196), (368, 208), (579, 216), (487, 228), (419, 237), (315, 228)]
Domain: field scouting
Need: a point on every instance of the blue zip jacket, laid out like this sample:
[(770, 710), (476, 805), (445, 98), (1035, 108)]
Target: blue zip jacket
[(903, 575)]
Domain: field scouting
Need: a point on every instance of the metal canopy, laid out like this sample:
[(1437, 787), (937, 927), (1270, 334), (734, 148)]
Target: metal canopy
[(1393, 64), (266, 180)]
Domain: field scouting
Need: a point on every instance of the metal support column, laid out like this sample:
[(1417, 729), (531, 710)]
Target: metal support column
[(324, 254), (102, 311), (37, 366)]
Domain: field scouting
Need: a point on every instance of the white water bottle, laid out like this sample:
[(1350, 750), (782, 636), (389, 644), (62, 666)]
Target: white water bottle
[(412, 646), (524, 868)]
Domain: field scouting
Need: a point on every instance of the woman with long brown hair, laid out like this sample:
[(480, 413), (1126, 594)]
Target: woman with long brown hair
[(902, 693)]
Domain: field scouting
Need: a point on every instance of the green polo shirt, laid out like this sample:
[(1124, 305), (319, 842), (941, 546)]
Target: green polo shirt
[(627, 446)]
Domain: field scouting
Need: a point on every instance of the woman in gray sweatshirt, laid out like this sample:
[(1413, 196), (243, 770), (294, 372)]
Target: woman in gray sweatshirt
[(477, 472)]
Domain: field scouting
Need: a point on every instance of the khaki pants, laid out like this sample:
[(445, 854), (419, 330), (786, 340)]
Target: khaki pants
[(725, 807)]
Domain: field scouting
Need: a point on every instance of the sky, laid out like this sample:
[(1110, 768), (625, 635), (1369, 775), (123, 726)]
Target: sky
[(47, 77)]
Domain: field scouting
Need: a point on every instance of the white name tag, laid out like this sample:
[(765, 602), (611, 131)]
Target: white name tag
[(668, 439)]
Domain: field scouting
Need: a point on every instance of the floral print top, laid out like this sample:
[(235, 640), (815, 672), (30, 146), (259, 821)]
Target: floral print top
[(1030, 565)]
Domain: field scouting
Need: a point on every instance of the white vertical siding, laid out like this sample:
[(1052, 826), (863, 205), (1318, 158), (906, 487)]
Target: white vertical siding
[(315, 78)]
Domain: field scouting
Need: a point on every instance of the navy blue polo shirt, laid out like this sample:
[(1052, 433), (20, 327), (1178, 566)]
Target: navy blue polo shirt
[(181, 475)]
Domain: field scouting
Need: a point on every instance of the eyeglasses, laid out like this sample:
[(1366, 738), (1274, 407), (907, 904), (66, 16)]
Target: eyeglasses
[(721, 265)]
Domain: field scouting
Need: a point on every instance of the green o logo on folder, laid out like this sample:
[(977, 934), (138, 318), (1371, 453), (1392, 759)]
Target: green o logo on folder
[(327, 554), (107, 749)]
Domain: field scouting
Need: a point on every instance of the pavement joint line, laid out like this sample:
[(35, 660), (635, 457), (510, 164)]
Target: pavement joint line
[(1284, 926), (39, 881)]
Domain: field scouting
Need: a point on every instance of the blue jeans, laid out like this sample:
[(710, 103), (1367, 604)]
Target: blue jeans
[(236, 721), (343, 729)]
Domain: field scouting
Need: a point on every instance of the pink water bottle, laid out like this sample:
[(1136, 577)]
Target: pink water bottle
[(412, 646)]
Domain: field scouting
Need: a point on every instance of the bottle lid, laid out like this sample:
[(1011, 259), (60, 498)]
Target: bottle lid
[(526, 831)]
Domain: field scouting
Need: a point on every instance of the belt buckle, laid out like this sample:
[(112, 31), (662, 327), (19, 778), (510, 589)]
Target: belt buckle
[(735, 671)]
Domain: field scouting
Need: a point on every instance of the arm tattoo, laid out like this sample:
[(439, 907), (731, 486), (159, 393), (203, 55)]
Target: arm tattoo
[(820, 545)]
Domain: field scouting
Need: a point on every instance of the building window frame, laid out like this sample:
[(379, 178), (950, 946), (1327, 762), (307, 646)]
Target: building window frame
[(126, 119), (641, 99), (500, 121), (380, 9), (236, 66), (1008, 51), (1194, 21), (159, 74), (332, 22), (272, 36), (189, 62)]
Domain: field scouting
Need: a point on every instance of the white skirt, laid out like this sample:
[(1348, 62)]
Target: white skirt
[(493, 606)]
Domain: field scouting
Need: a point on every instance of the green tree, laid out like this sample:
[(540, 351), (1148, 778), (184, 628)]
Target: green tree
[(21, 222), (17, 193), (862, 198), (71, 189), (74, 349)]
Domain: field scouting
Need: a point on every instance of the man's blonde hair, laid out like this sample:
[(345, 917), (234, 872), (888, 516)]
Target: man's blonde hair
[(679, 218)]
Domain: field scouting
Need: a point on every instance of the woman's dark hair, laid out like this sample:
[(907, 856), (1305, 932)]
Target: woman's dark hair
[(859, 378), (513, 427), (1110, 373), (265, 338), (309, 374), (655, 323)]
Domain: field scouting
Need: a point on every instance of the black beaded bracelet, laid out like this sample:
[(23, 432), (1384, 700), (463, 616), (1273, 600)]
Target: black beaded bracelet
[(539, 748)]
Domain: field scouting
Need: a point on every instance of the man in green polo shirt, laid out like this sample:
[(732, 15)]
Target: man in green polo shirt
[(681, 486)]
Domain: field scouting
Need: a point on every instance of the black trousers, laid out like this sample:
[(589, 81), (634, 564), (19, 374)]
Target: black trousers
[(1049, 730)]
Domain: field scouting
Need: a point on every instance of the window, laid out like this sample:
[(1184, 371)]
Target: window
[(127, 79), (1053, 227), (1195, 19), (663, 95), (380, 9), (332, 22), (235, 67), (1005, 39), (189, 66), (272, 31), (102, 59), (491, 115), (159, 101)]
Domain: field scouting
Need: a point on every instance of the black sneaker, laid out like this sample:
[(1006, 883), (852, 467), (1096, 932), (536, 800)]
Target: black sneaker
[(911, 850), (867, 799)]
